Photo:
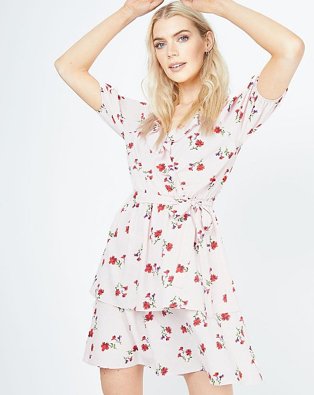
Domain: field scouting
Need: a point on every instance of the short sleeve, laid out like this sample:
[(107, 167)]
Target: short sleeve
[(249, 110), (121, 113)]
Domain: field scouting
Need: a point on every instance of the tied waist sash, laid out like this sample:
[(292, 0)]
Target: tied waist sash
[(200, 210)]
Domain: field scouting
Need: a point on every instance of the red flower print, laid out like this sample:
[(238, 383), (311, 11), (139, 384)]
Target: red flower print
[(127, 229), (100, 292), (130, 145), (135, 348), (104, 346), (164, 371), (213, 244), (200, 166), (158, 233), (91, 333), (224, 298), (112, 260), (169, 246), (188, 352), (212, 179), (180, 268), (148, 268), (197, 279), (203, 348), (199, 143), (161, 167), (144, 347), (168, 329), (219, 345), (146, 305), (239, 113), (149, 316), (217, 129), (196, 322), (161, 207), (213, 277), (183, 329), (225, 316), (169, 188)]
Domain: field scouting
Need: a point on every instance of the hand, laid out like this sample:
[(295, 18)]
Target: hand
[(210, 6), (141, 7)]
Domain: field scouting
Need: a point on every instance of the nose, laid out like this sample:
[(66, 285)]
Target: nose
[(172, 50)]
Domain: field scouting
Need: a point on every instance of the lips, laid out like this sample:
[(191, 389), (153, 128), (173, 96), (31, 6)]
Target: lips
[(176, 64)]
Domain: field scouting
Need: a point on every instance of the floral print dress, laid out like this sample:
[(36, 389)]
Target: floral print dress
[(164, 296)]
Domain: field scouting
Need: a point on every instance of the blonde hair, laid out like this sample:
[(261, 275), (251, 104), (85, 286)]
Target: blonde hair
[(163, 93)]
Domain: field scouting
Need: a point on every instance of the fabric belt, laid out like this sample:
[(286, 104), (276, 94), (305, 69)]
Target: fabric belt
[(192, 205)]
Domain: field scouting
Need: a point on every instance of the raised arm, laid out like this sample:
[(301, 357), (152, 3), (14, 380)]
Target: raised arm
[(285, 47), (74, 64)]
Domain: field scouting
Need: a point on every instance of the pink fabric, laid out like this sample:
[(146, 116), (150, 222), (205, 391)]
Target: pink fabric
[(164, 274)]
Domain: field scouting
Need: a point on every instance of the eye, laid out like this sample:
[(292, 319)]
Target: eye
[(184, 36)]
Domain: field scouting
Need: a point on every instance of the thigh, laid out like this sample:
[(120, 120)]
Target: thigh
[(199, 384), (124, 381)]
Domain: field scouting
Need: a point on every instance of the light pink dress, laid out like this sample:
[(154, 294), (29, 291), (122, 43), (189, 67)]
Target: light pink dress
[(164, 296)]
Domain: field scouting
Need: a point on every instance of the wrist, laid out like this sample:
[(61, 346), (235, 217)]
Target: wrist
[(223, 6), (128, 12)]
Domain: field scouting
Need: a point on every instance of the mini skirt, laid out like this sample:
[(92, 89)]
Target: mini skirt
[(172, 342)]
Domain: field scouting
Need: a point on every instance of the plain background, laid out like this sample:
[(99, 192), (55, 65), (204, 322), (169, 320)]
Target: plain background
[(64, 174)]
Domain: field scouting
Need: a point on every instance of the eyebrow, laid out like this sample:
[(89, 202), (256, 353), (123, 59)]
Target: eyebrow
[(175, 34)]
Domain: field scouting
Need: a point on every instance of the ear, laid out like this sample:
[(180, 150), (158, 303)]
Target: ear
[(210, 39)]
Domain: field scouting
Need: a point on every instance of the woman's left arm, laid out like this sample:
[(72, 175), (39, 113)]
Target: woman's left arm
[(285, 47)]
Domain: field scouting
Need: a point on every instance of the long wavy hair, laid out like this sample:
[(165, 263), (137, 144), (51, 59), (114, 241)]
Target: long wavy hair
[(163, 93)]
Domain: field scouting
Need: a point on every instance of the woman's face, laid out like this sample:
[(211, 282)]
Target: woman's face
[(176, 40)]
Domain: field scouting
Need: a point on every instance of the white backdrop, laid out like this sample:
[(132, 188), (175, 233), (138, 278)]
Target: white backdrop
[(64, 174)]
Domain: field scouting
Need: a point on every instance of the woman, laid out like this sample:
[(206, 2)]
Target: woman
[(164, 297)]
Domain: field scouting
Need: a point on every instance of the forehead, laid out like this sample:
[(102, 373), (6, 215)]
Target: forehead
[(166, 27)]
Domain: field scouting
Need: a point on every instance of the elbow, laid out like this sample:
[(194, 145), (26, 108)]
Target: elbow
[(60, 63), (295, 49), (57, 64)]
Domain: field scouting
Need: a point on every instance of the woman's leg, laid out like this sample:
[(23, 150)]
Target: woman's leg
[(199, 384), (124, 381)]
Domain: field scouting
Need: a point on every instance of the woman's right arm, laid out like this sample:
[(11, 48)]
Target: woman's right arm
[(74, 64)]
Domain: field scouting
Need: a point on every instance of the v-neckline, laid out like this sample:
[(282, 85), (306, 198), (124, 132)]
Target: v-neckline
[(187, 127), (174, 135)]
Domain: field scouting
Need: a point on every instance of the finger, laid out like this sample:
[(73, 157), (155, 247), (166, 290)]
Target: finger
[(155, 4), (187, 3)]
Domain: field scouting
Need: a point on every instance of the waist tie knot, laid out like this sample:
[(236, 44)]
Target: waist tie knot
[(192, 205)]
